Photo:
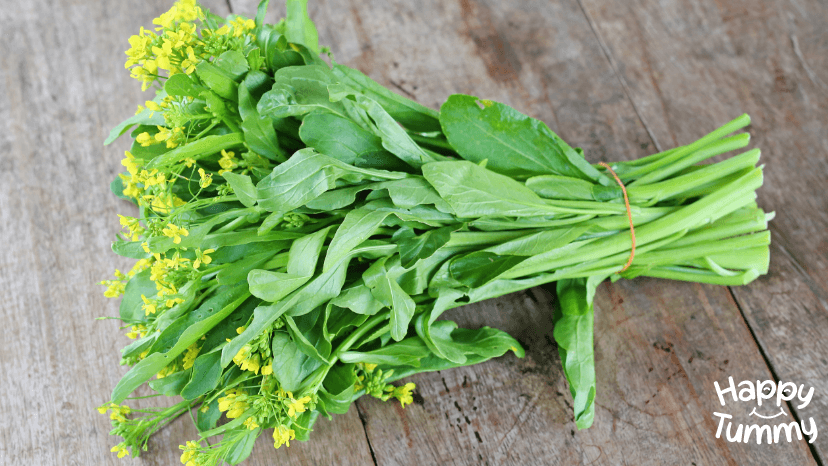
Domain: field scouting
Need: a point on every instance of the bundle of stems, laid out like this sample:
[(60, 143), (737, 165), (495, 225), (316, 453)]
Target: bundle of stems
[(301, 229)]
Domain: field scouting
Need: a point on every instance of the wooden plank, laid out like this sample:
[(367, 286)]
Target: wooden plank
[(660, 345), (689, 62), (62, 86)]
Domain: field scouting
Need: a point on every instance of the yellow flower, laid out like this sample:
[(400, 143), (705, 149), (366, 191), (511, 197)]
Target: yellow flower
[(202, 257), (190, 355), (114, 288), (227, 162), (133, 227), (222, 30), (282, 436), (268, 369), (153, 106), (234, 402), (206, 178), (241, 25), (190, 451), (172, 302), (188, 65), (403, 394), (172, 137), (121, 449), (297, 406), (250, 423), (137, 331), (175, 232), (144, 139), (189, 162), (129, 163), (251, 364), (149, 306)]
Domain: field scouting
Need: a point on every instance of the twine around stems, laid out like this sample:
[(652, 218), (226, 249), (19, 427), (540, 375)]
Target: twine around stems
[(629, 215)]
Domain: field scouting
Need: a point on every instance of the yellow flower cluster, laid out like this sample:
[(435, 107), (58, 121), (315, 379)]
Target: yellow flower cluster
[(133, 227), (175, 232), (227, 162), (234, 402), (202, 257), (171, 49), (190, 455), (205, 178), (118, 413), (282, 436), (296, 407), (247, 361), (172, 137), (402, 393), (121, 449), (190, 356), (137, 331), (115, 288)]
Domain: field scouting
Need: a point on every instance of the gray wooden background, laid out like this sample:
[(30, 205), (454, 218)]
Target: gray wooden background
[(620, 78)]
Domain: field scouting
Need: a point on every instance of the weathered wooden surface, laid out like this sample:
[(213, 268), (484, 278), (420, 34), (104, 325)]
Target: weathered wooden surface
[(700, 61), (617, 79)]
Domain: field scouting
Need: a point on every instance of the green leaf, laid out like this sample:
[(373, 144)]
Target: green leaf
[(337, 390), (234, 63), (473, 191), (261, 138), (131, 304), (153, 363), (415, 248), (304, 254), (394, 138), (199, 148), (359, 300), (275, 47), (299, 27), (172, 384), (407, 352), (387, 291), (480, 267), (292, 365), (410, 114), (339, 319), (238, 271), (261, 11), (310, 338), (241, 445), (243, 188), (206, 375), (145, 117), (513, 143), (206, 420), (338, 137), (181, 84), (339, 198), (540, 242), (316, 292), (357, 226), (218, 80), (414, 191), (561, 187), (131, 249), (259, 135), (574, 334)]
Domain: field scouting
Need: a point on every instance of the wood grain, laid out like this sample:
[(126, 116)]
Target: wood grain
[(701, 61), (616, 80)]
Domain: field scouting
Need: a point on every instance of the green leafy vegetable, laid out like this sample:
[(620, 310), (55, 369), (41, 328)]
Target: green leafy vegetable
[(300, 230)]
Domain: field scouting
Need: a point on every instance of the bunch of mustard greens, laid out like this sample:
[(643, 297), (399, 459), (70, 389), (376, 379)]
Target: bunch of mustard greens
[(301, 229)]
